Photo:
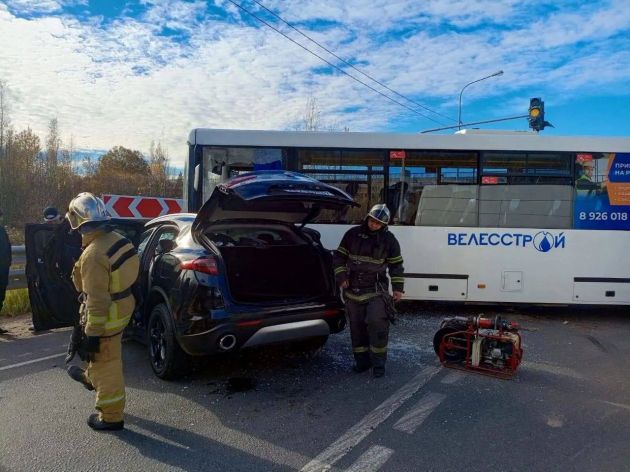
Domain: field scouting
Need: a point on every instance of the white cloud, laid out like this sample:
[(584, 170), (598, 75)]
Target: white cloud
[(123, 82), (33, 6)]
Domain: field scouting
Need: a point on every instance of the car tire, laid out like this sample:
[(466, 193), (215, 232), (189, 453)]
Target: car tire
[(168, 361)]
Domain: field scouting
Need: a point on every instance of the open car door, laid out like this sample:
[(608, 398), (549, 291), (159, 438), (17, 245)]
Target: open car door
[(51, 251)]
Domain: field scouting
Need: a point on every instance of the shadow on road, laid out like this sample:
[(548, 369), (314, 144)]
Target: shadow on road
[(186, 450)]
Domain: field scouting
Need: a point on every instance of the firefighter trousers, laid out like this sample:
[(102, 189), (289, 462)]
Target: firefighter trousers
[(369, 331), (105, 372)]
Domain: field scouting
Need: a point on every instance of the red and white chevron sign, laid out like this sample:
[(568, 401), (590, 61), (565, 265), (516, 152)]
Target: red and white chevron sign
[(126, 206)]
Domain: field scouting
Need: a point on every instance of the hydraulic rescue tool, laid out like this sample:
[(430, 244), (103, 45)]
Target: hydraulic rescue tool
[(490, 346)]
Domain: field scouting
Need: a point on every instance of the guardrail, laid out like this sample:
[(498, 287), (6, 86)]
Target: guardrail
[(17, 276)]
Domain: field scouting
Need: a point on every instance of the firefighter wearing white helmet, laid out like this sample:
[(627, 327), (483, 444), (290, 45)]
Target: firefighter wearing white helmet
[(366, 255), (103, 275)]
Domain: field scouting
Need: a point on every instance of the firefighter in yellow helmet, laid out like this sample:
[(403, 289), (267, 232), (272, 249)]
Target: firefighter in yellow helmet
[(103, 275)]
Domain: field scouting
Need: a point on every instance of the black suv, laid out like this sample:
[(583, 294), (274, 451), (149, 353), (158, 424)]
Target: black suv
[(243, 272)]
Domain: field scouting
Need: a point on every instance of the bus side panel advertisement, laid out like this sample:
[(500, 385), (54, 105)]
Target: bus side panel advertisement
[(602, 203)]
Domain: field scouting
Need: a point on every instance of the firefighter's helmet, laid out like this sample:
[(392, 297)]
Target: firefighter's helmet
[(380, 213), (86, 208)]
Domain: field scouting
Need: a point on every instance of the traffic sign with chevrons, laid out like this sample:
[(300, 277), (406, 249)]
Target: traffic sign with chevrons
[(126, 206)]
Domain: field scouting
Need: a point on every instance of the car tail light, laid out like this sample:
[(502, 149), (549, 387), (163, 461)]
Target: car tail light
[(206, 265), (332, 312), (249, 323)]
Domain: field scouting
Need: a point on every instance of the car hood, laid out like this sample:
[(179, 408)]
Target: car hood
[(274, 195)]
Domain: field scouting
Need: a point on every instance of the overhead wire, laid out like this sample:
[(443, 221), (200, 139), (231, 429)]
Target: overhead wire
[(413, 110), (350, 64)]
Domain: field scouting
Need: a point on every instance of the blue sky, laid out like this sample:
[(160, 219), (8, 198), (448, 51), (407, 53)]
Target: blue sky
[(128, 73)]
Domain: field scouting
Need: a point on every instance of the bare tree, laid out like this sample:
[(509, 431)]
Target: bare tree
[(53, 143), (312, 119), (312, 115), (4, 117), (22, 188), (162, 183)]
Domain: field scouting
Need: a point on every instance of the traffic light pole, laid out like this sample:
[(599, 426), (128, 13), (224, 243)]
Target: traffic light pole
[(474, 123)]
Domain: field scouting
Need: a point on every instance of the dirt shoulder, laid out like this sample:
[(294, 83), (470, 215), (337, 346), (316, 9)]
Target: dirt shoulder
[(18, 327)]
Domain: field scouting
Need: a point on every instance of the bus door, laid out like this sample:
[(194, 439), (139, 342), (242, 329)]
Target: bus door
[(220, 164)]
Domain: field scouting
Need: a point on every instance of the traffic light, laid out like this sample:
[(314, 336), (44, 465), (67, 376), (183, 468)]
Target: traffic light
[(537, 114)]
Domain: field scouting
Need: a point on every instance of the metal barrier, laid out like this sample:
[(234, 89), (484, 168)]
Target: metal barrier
[(17, 276)]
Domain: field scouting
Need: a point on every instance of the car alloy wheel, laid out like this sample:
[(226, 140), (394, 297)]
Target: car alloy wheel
[(157, 343), (168, 361)]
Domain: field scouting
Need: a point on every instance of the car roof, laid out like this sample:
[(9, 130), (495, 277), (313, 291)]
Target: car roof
[(180, 219)]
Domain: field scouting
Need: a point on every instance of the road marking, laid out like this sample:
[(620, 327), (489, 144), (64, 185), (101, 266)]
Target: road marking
[(372, 460), (452, 378), (325, 460), (553, 369), (618, 405), (412, 420), (20, 364)]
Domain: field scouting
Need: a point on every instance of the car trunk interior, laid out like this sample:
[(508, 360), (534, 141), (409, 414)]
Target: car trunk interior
[(267, 273)]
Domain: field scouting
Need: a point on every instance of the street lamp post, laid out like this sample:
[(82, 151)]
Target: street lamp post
[(459, 119)]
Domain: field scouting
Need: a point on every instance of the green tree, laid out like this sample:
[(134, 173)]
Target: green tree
[(120, 171), (122, 160)]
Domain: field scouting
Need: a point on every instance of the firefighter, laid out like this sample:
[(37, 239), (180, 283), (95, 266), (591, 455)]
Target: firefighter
[(361, 261), (103, 275)]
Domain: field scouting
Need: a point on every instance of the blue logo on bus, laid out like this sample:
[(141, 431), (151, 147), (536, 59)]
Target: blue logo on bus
[(543, 241)]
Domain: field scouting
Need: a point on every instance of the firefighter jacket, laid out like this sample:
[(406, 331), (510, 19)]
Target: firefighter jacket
[(363, 258), (105, 272)]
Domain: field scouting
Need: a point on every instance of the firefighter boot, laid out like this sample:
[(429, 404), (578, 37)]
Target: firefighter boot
[(378, 362), (97, 424), (78, 374), (361, 362), (378, 371)]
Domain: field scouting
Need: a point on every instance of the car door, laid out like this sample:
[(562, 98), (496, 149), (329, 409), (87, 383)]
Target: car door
[(150, 251), (51, 251), (159, 247)]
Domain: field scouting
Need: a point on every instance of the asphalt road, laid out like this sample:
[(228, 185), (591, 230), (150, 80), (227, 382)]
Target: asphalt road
[(568, 408)]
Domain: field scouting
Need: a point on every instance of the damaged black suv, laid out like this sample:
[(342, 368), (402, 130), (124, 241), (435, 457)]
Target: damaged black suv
[(243, 272)]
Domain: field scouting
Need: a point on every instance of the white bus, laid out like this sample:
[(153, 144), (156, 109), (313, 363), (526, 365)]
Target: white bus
[(481, 216)]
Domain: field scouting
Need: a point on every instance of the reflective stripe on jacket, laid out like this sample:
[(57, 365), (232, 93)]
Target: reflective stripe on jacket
[(108, 265), (363, 258)]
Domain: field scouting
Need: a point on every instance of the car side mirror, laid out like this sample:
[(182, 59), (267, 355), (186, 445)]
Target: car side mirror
[(164, 245)]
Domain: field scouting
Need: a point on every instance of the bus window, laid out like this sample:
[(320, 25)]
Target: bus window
[(526, 190), (528, 168), (413, 195), (358, 173)]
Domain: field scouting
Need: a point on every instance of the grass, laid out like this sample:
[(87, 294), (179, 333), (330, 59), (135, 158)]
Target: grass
[(16, 302)]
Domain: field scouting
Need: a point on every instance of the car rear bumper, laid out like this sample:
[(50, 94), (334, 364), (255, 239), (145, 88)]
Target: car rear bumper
[(231, 336), (287, 332)]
